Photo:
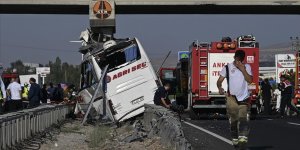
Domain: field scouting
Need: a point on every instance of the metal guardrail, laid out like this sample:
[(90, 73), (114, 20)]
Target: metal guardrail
[(17, 126)]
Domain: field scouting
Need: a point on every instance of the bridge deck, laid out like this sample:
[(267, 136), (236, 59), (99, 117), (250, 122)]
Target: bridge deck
[(154, 7)]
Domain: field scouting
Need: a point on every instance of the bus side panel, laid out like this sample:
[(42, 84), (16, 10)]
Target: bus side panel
[(131, 91)]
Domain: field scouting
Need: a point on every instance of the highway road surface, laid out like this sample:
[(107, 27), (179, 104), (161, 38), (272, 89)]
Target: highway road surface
[(266, 134)]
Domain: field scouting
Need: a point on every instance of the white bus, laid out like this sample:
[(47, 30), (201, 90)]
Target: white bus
[(131, 79)]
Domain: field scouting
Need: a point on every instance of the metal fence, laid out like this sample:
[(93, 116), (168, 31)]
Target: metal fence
[(17, 126)]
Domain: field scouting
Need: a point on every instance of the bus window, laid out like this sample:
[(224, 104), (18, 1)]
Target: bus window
[(120, 58)]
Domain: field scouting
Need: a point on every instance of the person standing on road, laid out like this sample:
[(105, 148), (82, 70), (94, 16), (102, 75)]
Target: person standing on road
[(286, 89), (161, 96), (2, 96), (50, 91), (277, 96), (14, 90), (266, 89), (25, 91), (44, 93), (58, 94), (238, 75), (34, 93)]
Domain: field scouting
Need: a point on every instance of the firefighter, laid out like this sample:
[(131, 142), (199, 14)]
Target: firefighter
[(25, 91), (286, 89), (238, 75), (161, 96), (266, 89), (2, 95)]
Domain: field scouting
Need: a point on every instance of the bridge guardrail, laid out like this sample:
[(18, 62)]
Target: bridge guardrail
[(17, 126)]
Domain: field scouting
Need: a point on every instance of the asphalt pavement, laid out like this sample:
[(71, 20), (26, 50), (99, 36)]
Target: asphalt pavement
[(267, 133)]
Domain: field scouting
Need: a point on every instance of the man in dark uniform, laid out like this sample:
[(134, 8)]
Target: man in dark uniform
[(161, 96), (286, 89), (34, 96), (266, 89)]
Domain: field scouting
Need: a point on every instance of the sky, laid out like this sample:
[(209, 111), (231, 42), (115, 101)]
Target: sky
[(41, 38)]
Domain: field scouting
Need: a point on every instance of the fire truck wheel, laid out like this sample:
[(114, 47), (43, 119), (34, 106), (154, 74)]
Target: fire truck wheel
[(193, 115)]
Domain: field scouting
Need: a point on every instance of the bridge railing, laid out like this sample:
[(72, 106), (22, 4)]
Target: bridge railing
[(17, 126)]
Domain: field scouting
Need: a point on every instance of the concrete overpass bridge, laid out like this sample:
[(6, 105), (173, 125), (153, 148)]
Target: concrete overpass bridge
[(154, 6)]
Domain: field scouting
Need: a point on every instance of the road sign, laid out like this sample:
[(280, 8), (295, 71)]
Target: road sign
[(43, 75), (102, 9), (183, 54), (43, 70)]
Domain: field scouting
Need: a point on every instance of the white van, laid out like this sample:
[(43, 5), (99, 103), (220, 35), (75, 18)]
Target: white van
[(131, 79)]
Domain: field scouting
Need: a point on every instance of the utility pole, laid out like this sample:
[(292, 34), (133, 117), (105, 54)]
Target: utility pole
[(295, 43)]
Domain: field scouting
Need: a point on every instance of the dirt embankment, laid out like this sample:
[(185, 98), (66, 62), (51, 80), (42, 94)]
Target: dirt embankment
[(73, 136)]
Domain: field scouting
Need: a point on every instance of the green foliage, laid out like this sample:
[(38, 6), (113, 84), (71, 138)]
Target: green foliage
[(63, 72), (99, 135), (60, 72)]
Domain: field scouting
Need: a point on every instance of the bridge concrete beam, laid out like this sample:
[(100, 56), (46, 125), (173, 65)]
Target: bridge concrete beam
[(154, 6)]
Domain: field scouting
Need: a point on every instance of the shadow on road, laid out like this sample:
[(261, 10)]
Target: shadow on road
[(260, 147)]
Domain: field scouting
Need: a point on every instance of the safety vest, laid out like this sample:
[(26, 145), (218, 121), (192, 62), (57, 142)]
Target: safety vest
[(25, 92)]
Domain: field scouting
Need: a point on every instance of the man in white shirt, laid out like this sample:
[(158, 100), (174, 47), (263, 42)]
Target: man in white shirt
[(240, 75), (2, 95), (14, 90)]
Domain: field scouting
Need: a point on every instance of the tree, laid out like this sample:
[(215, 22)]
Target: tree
[(63, 73), (19, 66), (59, 72)]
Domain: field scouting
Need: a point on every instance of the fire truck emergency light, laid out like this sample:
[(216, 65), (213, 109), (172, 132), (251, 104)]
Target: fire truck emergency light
[(226, 46)]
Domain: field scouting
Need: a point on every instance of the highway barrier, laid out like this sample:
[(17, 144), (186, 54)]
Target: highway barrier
[(165, 124), (18, 126)]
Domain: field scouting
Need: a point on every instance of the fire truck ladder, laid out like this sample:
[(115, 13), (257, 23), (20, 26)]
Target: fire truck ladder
[(203, 79)]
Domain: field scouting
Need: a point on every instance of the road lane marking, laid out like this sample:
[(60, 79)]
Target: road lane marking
[(297, 124), (210, 133)]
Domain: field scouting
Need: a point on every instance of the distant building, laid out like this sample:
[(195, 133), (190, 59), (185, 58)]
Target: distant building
[(31, 65)]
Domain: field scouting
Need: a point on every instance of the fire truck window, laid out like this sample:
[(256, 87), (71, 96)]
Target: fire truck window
[(120, 58), (168, 74), (247, 44)]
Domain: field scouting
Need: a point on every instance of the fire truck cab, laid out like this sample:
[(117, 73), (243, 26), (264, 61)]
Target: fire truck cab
[(206, 62)]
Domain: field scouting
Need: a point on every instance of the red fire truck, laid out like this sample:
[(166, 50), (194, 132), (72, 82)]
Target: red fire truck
[(205, 63), (296, 100), (6, 77)]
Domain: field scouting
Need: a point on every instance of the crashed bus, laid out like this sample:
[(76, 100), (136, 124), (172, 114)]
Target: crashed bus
[(130, 80)]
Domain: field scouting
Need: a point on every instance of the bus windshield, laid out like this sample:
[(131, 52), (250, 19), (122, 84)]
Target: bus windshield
[(120, 58)]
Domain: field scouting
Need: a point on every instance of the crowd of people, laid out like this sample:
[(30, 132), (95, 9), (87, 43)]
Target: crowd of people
[(15, 96), (278, 99)]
